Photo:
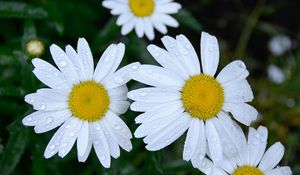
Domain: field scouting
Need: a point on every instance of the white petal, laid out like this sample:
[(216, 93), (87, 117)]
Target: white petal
[(263, 135), (49, 75), (105, 63), (159, 112), (205, 166), (139, 27), (154, 95), (232, 140), (118, 93), (83, 139), (229, 165), (172, 47), (85, 54), (149, 31), (121, 76), (234, 71), (167, 61), (100, 145), (158, 76), (242, 112), (44, 104), (170, 134), (192, 138), (64, 64), (143, 106), (272, 157), (200, 150), (167, 20), (214, 142), (280, 171), (257, 141), (128, 27), (118, 125), (209, 53), (119, 107), (119, 56), (77, 62), (158, 25), (156, 126), (188, 54), (169, 8), (238, 91), (122, 139), (69, 137), (124, 18), (53, 145), (51, 120), (111, 140), (52, 94), (86, 154)]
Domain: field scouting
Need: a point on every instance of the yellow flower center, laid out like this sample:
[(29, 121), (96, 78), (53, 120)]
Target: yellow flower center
[(142, 8), (202, 96), (88, 101), (247, 170)]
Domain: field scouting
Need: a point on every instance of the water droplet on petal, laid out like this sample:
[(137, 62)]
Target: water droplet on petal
[(52, 147), (143, 94), (71, 134), (49, 120), (62, 63)]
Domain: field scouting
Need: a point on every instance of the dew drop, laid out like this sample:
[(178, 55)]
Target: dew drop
[(62, 64), (42, 106), (49, 120), (71, 134), (29, 119), (52, 147), (102, 157)]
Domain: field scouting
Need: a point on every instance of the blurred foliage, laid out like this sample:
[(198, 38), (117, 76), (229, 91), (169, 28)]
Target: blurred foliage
[(242, 27)]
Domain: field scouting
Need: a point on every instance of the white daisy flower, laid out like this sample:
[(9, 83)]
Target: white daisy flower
[(252, 160), (144, 15), (184, 97), (86, 102)]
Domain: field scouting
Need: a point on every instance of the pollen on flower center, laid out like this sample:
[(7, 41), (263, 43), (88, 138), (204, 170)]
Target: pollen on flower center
[(202, 96), (247, 170), (89, 101), (142, 8)]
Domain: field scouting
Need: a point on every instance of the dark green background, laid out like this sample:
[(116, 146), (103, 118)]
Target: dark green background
[(243, 29)]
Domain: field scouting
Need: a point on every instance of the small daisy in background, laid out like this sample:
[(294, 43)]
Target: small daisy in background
[(275, 74), (186, 96), (252, 160), (144, 15), (86, 102), (280, 44)]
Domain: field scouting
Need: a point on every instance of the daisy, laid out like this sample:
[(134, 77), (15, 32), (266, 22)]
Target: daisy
[(185, 96), (144, 15), (86, 102), (252, 160)]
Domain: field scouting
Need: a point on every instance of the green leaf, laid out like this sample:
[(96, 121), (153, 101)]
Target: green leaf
[(185, 18), (14, 148), (21, 10)]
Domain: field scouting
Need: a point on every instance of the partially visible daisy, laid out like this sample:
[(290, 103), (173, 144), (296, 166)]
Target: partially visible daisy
[(252, 160), (185, 96), (86, 102), (280, 44), (144, 15), (275, 74)]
